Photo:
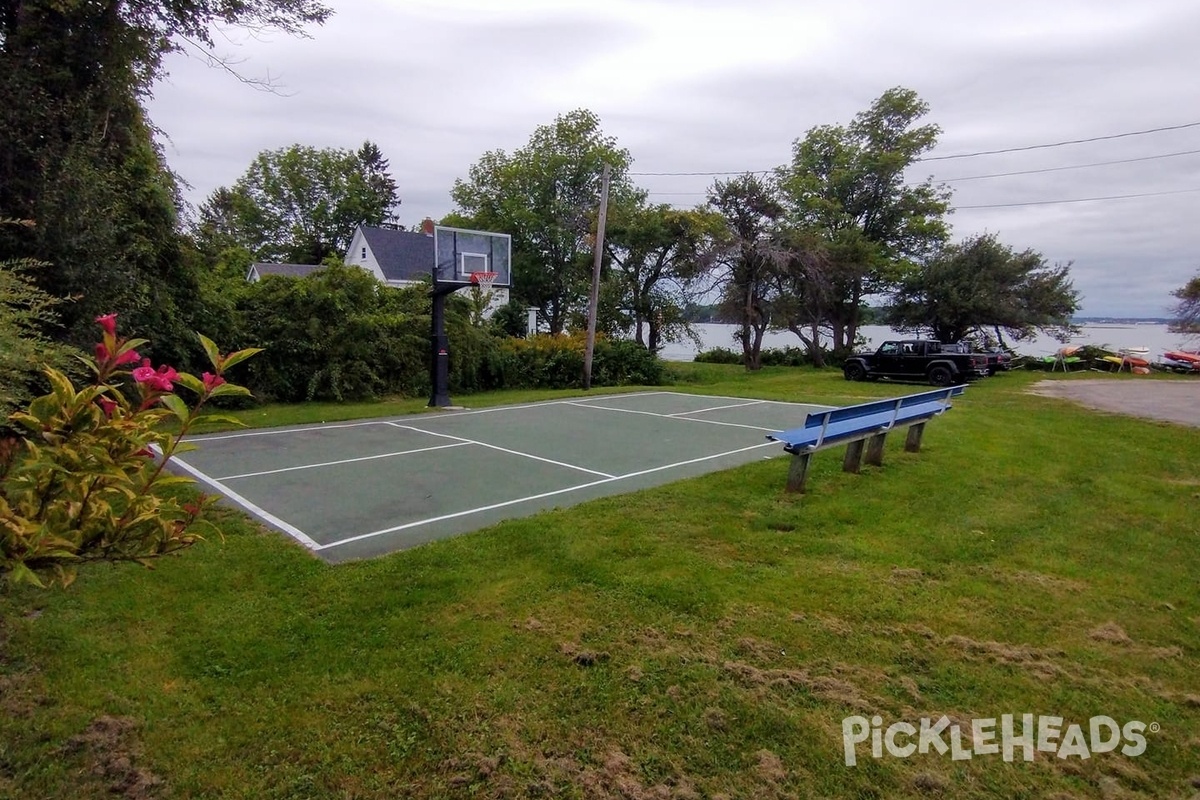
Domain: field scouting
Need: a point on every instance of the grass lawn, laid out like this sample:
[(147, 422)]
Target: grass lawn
[(702, 639)]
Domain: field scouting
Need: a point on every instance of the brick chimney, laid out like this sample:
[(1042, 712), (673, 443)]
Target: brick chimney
[(427, 226)]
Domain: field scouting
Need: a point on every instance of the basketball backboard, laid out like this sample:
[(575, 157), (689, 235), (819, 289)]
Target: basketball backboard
[(459, 252)]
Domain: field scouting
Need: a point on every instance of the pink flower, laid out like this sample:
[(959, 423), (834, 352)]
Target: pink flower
[(108, 405), (109, 323), (101, 353), (162, 379), (211, 381), (145, 372), (128, 357)]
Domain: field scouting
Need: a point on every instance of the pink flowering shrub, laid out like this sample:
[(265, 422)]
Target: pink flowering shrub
[(89, 481)]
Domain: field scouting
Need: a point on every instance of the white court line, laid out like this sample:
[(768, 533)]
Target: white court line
[(342, 461), (430, 416), (501, 449), (541, 496), (717, 408), (266, 516), (278, 431), (731, 397), (680, 419)]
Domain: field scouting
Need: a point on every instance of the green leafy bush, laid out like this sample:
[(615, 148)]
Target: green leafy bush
[(341, 335), (718, 355), (88, 481), (770, 357), (25, 313)]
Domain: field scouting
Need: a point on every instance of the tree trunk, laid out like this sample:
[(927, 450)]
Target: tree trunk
[(839, 334), (815, 351)]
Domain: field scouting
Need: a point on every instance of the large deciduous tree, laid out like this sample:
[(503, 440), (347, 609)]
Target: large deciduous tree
[(659, 255), (545, 195), (751, 211), (982, 286), (299, 204), (848, 183), (77, 155), (1187, 310)]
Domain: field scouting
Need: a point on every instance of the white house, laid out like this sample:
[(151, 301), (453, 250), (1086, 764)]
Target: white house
[(394, 257), (403, 258)]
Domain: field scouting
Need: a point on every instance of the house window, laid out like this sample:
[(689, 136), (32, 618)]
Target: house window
[(472, 262), (364, 255)]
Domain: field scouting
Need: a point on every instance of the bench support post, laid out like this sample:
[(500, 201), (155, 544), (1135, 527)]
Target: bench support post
[(875, 450), (853, 459), (798, 472), (913, 443)]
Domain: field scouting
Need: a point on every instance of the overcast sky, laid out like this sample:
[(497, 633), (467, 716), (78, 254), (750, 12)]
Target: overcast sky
[(704, 86)]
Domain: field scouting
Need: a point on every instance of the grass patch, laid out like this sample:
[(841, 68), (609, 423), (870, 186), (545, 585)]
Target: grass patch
[(699, 639)]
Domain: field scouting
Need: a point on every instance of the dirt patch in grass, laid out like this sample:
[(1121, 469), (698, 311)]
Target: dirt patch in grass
[(584, 658), (1031, 658), (826, 687), (1048, 581), (930, 783), (111, 748), (905, 574), (1110, 632), (614, 776), (770, 767)]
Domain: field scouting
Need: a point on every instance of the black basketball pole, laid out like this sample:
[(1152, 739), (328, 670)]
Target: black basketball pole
[(439, 367)]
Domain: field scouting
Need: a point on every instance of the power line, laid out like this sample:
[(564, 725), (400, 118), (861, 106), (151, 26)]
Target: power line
[(1075, 166), (1062, 144), (957, 155), (1000, 205), (1077, 200), (702, 174)]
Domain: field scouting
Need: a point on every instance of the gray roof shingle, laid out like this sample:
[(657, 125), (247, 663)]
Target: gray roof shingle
[(402, 255), (291, 270)]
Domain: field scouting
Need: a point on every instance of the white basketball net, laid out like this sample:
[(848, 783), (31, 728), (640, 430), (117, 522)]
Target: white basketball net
[(484, 280)]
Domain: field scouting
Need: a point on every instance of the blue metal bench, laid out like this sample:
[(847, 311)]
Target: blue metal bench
[(855, 425)]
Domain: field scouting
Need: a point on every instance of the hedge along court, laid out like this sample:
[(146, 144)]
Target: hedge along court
[(362, 489)]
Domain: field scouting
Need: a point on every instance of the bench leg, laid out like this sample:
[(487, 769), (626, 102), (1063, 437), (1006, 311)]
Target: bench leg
[(913, 443), (875, 450), (798, 472), (853, 460)]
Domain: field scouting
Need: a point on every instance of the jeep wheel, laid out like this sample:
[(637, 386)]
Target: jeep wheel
[(941, 376), (854, 371)]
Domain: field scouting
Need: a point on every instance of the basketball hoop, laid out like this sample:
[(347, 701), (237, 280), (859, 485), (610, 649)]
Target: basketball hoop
[(484, 280)]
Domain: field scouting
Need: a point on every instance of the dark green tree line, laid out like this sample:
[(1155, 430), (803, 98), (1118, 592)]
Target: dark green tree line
[(77, 155)]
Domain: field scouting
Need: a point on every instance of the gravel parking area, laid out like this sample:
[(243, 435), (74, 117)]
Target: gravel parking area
[(1172, 401)]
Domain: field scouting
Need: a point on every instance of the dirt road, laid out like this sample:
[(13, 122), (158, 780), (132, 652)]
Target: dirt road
[(1172, 401)]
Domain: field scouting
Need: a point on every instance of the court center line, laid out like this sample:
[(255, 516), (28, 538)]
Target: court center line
[(341, 461), (254, 511), (717, 408), (541, 496), (503, 449), (679, 419)]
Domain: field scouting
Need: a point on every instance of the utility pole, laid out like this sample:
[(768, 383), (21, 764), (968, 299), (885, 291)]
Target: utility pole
[(594, 303)]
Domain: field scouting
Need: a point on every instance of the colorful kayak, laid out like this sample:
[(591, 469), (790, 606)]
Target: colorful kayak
[(1183, 357), (1126, 361)]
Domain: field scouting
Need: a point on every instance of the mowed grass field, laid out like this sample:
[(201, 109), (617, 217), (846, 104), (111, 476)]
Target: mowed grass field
[(703, 639)]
